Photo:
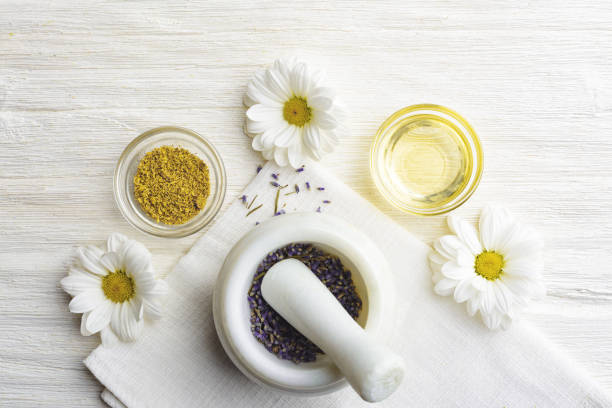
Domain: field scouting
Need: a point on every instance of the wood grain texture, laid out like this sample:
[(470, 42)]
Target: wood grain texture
[(79, 80)]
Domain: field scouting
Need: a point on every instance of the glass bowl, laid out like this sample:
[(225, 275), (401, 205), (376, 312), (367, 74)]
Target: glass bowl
[(426, 159), (123, 183)]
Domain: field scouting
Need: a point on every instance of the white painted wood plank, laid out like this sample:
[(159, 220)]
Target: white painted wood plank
[(79, 81)]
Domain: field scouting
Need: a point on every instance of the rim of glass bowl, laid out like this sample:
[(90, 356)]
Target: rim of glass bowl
[(132, 212), (472, 143)]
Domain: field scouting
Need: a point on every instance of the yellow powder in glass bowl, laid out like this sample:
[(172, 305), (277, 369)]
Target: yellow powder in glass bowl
[(171, 184)]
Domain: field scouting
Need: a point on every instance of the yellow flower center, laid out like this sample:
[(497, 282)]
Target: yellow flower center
[(118, 287), (296, 111), (489, 265)]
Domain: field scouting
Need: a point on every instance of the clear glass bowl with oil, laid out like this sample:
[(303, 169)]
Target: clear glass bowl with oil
[(426, 159)]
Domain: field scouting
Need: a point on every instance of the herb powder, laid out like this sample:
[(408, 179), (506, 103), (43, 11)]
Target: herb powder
[(171, 185)]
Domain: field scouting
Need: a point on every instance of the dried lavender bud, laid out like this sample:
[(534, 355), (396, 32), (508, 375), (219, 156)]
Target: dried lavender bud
[(274, 332), (257, 223), (259, 167), (326, 201), (321, 188), (275, 176), (274, 184), (297, 189), (243, 199), (301, 169), (307, 185), (318, 209)]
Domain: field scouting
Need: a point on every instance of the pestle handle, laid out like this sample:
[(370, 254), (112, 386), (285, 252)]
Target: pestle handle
[(304, 301)]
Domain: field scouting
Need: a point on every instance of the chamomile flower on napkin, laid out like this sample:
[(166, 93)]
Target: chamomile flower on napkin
[(496, 272), (292, 114), (114, 289)]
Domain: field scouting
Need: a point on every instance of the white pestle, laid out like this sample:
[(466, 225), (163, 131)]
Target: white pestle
[(304, 301)]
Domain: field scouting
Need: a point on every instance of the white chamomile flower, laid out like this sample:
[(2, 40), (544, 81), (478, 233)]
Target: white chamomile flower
[(496, 273), (291, 114), (114, 289)]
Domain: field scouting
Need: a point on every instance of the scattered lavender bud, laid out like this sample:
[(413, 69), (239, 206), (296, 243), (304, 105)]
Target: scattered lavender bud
[(301, 169), (297, 189), (275, 184), (326, 201), (321, 188), (259, 167), (275, 176), (243, 199), (308, 185), (319, 209), (257, 223)]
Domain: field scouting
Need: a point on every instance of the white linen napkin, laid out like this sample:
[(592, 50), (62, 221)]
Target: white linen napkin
[(452, 359)]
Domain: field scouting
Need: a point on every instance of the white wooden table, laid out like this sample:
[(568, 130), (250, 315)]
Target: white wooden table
[(78, 81)]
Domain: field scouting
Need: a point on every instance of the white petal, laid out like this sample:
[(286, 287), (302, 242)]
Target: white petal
[(296, 79), (437, 258), (465, 258), (286, 137), (111, 261), (312, 137), (86, 301), (80, 281), (320, 102), (466, 233), (281, 72), (331, 137), (262, 113), (124, 322), (492, 320), (464, 291), (523, 267), (520, 287), (257, 93), (436, 275), (255, 127), (115, 242), (488, 300), (257, 144), (137, 305), (270, 135), (494, 222), (452, 270), (503, 297), (473, 304), (152, 309), (90, 260), (100, 317), (479, 283), (326, 145), (324, 120), (275, 84), (452, 245), (280, 156), (84, 331), (522, 250), (108, 337), (268, 154), (445, 287), (444, 249), (136, 258), (295, 154), (506, 321), (322, 92)]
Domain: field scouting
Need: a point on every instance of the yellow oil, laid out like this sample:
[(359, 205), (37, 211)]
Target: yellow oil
[(426, 160)]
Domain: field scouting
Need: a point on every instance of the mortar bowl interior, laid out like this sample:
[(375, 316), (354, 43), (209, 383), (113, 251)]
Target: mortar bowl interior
[(231, 309)]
